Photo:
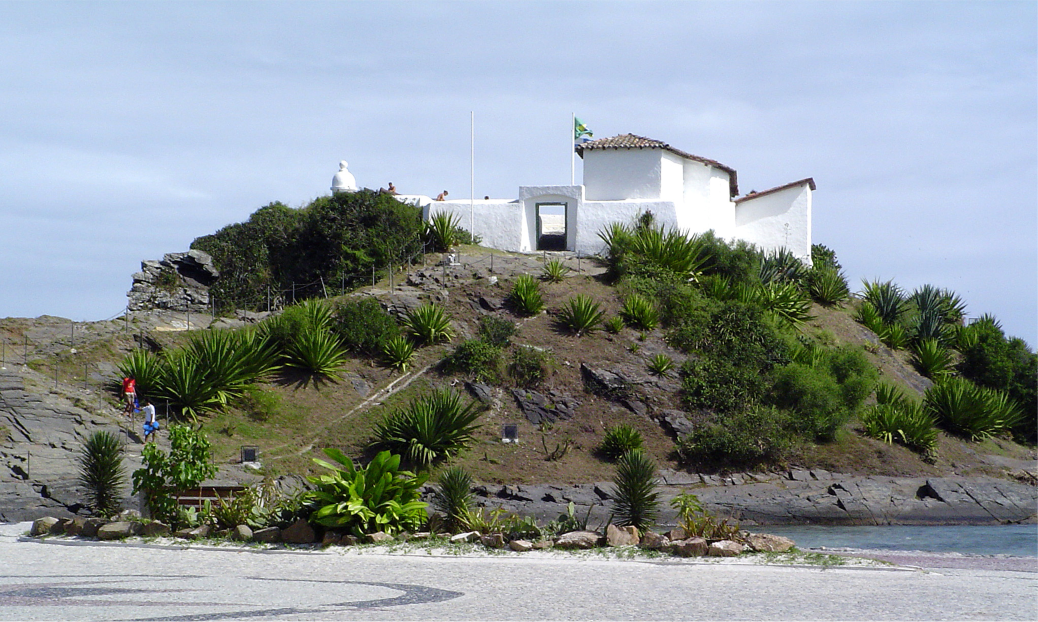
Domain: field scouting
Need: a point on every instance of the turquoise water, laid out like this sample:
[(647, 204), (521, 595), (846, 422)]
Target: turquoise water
[(1021, 540)]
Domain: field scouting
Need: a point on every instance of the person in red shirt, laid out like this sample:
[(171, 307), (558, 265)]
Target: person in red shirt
[(130, 395)]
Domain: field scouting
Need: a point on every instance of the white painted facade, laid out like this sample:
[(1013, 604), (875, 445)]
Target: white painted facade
[(685, 192)]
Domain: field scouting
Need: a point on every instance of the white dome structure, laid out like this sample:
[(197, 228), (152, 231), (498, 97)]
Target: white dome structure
[(344, 180)]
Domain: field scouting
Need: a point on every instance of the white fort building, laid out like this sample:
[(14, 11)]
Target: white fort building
[(625, 176)]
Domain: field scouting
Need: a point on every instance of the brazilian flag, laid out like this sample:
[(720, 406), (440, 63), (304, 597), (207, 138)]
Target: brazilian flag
[(580, 132)]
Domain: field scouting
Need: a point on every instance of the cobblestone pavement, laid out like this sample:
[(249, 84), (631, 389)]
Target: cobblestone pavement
[(82, 580)]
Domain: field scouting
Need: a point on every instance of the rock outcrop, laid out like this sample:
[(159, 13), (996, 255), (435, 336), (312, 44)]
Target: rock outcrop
[(179, 282)]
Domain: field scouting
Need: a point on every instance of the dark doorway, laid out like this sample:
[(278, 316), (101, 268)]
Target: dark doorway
[(551, 226)]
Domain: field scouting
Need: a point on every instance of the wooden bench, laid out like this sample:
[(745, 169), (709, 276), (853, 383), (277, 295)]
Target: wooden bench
[(196, 497)]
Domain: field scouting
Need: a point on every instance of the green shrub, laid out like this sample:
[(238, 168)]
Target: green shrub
[(741, 439), (660, 365), (379, 497), (903, 422), (453, 498), (101, 472), (554, 271), (525, 298), (619, 440), (932, 359), (639, 312), (895, 336), (363, 327), (715, 383), (530, 366), (428, 324), (476, 357), (431, 428), (887, 298), (442, 232), (496, 330), (580, 315), (737, 264), (614, 325), (397, 353), (824, 257), (814, 396), (635, 498), (317, 352), (163, 476), (969, 410), (782, 266), (994, 361), (828, 286)]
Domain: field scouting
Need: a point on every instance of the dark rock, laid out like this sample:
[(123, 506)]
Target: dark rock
[(491, 304), (678, 478), (42, 526), (349, 540), (331, 538), (653, 541), (74, 526), (482, 392), (267, 534), (675, 423), (300, 532), (493, 541), (241, 533), (678, 533), (800, 475), (603, 383), (91, 526), (155, 528)]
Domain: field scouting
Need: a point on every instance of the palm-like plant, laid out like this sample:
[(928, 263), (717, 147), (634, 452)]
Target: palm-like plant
[(894, 336), (869, 317), (580, 315), (317, 352), (554, 271), (442, 231), (318, 314), (613, 325), (428, 324), (903, 422), (887, 298), (431, 428), (397, 353), (784, 300), (635, 499), (639, 312), (971, 411), (782, 266), (619, 440), (219, 356), (660, 365), (525, 298), (929, 324), (828, 285), (454, 497), (144, 367), (101, 471), (258, 353), (932, 359), (187, 386), (673, 250)]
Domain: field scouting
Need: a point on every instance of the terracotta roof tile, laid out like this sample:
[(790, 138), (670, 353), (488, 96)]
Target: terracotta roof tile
[(753, 195), (632, 141)]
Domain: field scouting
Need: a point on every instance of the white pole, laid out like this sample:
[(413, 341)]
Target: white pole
[(572, 151), (472, 172)]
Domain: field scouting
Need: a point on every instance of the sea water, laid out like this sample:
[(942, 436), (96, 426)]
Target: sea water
[(1020, 540)]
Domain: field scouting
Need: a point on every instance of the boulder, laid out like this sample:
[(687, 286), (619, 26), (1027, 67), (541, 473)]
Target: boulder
[(493, 541), (622, 536), (196, 533), (768, 543), (155, 528), (118, 530), (578, 540), (691, 547), (468, 536), (349, 540), (241, 533), (42, 526), (331, 538), (300, 532), (74, 526), (678, 533), (379, 537), (725, 548), (91, 526), (543, 545), (607, 384), (653, 541), (520, 546), (267, 534)]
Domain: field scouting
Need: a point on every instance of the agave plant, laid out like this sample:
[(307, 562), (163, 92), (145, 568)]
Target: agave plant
[(318, 314), (218, 354), (397, 353), (101, 471), (965, 337), (945, 304), (971, 411), (895, 336), (428, 324), (660, 365), (580, 315), (889, 394), (672, 250), (442, 231), (614, 325), (717, 287), (828, 286), (635, 499), (188, 387), (453, 497), (619, 440), (868, 316), (554, 271), (785, 301), (258, 353), (887, 298), (932, 359), (146, 368), (525, 298), (431, 428), (930, 324), (903, 422), (639, 312), (782, 266), (317, 352)]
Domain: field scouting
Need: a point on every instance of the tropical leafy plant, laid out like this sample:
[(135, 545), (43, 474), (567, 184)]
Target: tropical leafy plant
[(697, 522), (895, 336), (554, 271), (782, 266), (318, 352), (971, 411), (639, 312), (442, 231), (619, 440), (887, 298), (101, 471), (869, 317), (902, 421), (431, 428), (828, 285), (525, 297), (378, 497), (635, 498), (428, 324), (660, 365), (932, 359), (144, 367), (453, 497), (163, 476), (614, 325), (785, 300), (580, 315), (645, 246), (397, 353), (187, 386)]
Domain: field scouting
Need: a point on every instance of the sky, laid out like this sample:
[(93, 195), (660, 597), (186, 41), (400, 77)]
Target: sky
[(129, 129)]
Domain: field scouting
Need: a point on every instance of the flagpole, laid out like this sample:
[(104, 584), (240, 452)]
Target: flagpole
[(472, 173), (572, 150)]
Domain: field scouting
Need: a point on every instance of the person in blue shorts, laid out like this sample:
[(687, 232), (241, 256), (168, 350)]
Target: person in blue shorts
[(151, 423)]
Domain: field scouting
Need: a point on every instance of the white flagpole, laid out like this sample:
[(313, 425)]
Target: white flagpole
[(472, 172), (572, 149)]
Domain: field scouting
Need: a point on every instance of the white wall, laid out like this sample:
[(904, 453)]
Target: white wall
[(619, 174), (497, 221), (707, 201), (595, 216), (672, 177), (776, 220)]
